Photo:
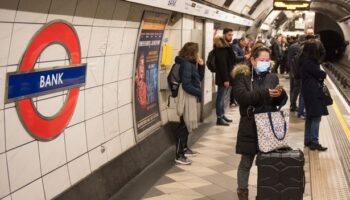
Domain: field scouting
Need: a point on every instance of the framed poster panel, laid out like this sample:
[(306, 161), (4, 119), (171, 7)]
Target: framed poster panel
[(145, 78)]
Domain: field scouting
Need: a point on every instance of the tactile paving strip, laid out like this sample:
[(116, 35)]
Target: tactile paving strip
[(342, 145), (328, 180)]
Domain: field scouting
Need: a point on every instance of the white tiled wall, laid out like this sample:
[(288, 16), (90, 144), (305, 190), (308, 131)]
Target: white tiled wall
[(101, 127), (208, 79), (52, 154), (56, 182), (79, 168), (23, 165)]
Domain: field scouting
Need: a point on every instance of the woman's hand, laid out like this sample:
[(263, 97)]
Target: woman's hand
[(275, 92), (200, 61)]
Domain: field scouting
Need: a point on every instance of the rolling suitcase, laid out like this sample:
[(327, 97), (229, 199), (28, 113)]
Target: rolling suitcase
[(281, 175)]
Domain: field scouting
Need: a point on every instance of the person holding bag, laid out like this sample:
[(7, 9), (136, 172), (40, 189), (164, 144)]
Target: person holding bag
[(257, 91), (191, 73), (314, 97)]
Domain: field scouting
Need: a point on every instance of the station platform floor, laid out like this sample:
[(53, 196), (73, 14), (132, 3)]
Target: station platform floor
[(213, 173)]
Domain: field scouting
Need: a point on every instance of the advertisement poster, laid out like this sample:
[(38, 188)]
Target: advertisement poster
[(146, 105)]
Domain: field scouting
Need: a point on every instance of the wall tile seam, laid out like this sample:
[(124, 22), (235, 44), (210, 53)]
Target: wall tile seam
[(38, 148), (60, 60), (104, 67), (40, 167), (6, 196), (47, 12), (8, 172), (125, 79), (13, 192), (66, 153), (65, 164), (84, 113), (77, 123), (6, 157), (125, 104), (88, 151), (47, 61), (88, 48), (107, 55), (19, 146)]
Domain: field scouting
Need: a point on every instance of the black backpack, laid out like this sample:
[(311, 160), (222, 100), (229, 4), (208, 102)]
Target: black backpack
[(211, 61), (174, 80)]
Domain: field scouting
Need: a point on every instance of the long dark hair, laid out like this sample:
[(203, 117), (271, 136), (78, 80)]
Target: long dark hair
[(311, 50), (189, 50)]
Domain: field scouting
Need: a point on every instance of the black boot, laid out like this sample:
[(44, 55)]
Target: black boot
[(307, 144), (227, 119), (319, 147), (243, 194), (221, 122)]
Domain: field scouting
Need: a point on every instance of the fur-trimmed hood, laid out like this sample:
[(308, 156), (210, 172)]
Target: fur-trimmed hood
[(219, 42), (240, 69)]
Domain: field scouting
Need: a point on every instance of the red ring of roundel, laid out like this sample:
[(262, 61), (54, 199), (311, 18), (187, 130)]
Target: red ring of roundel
[(40, 127)]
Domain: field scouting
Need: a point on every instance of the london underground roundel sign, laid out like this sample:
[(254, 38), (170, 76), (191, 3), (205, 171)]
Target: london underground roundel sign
[(26, 82)]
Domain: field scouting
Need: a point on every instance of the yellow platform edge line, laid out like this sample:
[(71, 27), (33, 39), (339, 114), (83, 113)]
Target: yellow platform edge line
[(342, 121)]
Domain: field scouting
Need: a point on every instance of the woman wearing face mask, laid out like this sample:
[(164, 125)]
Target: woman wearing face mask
[(257, 91)]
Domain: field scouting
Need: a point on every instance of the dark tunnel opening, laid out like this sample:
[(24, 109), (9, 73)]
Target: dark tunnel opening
[(331, 35), (334, 44)]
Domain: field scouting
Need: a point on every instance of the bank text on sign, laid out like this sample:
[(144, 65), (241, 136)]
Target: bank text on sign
[(40, 82)]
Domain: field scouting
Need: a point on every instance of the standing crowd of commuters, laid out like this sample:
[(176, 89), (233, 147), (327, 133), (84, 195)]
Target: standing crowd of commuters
[(249, 71)]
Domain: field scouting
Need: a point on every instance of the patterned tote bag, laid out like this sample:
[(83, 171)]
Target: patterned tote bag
[(272, 128)]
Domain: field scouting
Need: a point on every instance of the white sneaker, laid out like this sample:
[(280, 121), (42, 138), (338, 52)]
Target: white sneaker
[(183, 160)]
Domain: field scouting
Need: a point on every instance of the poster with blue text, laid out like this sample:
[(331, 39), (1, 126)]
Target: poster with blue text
[(146, 103)]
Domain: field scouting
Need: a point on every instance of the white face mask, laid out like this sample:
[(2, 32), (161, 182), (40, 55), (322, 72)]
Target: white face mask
[(262, 66)]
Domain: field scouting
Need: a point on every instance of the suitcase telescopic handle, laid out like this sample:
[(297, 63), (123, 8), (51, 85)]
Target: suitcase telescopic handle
[(273, 128)]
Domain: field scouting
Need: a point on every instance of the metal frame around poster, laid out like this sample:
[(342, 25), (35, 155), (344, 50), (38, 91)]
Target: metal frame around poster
[(141, 136)]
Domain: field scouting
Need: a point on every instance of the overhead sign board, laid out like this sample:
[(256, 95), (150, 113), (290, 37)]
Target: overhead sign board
[(196, 9), (291, 5)]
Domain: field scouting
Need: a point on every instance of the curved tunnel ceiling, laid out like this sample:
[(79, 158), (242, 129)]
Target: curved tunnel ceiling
[(336, 9)]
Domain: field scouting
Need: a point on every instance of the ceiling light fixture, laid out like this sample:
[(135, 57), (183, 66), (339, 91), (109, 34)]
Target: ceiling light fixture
[(291, 5)]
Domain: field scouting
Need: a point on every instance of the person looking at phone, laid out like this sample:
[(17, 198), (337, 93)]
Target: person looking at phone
[(257, 91)]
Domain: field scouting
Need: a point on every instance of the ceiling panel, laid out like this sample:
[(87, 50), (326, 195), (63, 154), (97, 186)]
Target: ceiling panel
[(336, 9)]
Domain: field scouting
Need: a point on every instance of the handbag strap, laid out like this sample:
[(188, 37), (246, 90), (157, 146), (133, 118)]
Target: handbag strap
[(273, 128)]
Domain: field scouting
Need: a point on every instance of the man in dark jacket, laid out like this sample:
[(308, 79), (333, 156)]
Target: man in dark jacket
[(224, 61), (240, 57), (277, 53), (239, 48), (295, 81)]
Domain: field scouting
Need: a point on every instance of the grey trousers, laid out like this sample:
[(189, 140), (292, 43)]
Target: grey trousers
[(244, 170)]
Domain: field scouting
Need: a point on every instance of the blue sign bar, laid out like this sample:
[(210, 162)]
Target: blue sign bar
[(33, 83)]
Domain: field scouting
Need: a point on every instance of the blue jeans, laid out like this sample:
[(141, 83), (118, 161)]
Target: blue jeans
[(312, 127), (220, 102)]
